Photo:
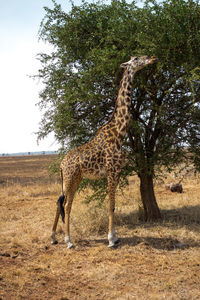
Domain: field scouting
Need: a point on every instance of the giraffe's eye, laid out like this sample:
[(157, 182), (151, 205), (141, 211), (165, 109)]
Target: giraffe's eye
[(136, 58)]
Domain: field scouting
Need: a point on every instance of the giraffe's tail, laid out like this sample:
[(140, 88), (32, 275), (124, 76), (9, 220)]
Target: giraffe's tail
[(61, 202), (61, 199)]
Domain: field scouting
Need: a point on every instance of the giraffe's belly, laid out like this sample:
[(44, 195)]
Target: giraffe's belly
[(94, 174)]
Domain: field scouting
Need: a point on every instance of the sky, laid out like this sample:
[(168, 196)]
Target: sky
[(19, 94), (19, 115)]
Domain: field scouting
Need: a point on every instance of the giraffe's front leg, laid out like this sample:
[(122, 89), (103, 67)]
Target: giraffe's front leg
[(67, 220), (112, 239), (112, 184), (68, 242)]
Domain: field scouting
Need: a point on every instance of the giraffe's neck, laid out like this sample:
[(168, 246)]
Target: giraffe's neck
[(121, 114)]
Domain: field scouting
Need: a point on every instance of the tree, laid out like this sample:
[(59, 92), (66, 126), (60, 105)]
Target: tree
[(82, 75)]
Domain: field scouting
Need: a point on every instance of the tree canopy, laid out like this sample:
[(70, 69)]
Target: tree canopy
[(81, 78)]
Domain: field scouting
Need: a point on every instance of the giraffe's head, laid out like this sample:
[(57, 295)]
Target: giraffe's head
[(137, 63)]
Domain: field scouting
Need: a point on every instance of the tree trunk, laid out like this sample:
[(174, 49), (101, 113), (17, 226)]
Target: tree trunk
[(151, 209)]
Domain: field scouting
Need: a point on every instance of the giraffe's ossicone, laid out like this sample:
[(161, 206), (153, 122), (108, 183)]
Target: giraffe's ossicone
[(102, 156)]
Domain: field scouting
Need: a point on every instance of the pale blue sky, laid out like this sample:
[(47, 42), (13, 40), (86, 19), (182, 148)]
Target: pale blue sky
[(19, 116)]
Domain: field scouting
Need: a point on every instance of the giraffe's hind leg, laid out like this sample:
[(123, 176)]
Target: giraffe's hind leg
[(71, 187), (53, 235)]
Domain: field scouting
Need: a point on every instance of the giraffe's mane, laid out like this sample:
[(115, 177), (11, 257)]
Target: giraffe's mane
[(115, 108)]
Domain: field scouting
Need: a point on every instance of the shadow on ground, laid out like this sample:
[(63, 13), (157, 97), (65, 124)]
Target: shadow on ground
[(184, 216), (149, 242), (188, 217)]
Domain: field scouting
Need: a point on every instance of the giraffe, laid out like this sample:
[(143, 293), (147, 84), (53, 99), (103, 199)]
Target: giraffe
[(100, 157)]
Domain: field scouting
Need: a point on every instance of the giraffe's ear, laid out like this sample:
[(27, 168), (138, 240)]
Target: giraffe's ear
[(124, 65)]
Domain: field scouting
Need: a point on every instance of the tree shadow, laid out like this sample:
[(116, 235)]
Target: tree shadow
[(165, 243), (187, 217), (184, 216)]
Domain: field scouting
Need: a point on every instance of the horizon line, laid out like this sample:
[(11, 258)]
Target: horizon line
[(27, 153)]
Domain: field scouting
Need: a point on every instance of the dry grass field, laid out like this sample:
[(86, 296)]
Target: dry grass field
[(153, 261)]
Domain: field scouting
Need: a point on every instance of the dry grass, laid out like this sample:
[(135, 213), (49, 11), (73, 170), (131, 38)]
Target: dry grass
[(153, 261)]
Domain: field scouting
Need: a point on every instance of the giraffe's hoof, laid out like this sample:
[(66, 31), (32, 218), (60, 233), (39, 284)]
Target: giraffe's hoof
[(54, 242), (114, 244), (68, 243), (70, 246), (117, 241)]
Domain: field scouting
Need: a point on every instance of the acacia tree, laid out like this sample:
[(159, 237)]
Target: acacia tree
[(82, 75)]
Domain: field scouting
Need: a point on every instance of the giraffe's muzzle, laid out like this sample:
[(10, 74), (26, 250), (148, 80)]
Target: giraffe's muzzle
[(153, 59)]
